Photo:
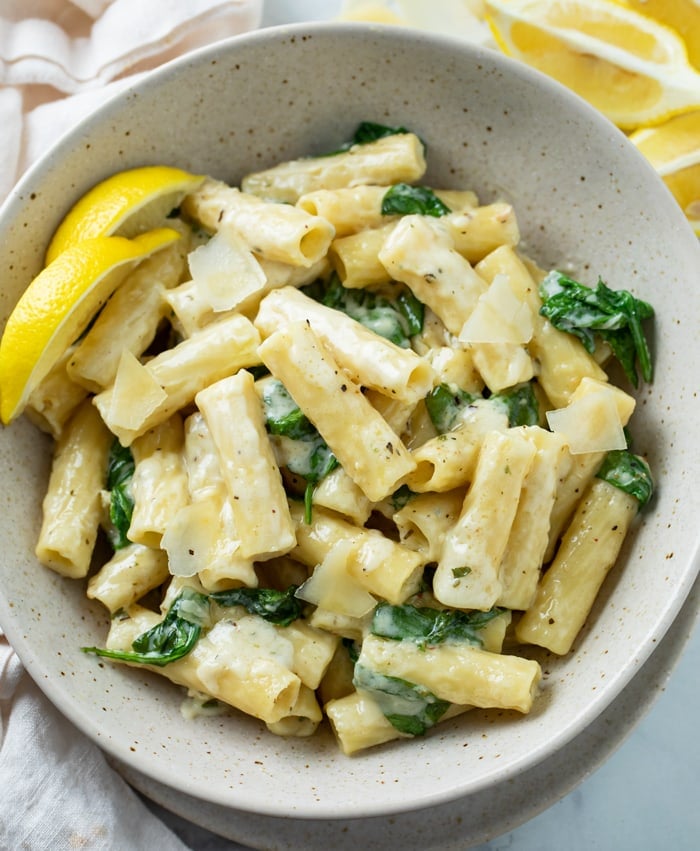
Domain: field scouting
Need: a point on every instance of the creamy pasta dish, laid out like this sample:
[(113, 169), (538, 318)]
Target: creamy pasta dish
[(350, 454)]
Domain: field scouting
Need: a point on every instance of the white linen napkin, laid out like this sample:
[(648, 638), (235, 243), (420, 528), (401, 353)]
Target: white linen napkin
[(58, 61), (58, 792), (61, 58)]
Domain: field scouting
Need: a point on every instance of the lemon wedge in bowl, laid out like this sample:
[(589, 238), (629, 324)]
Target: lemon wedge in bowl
[(632, 68), (125, 204), (58, 305), (673, 148)]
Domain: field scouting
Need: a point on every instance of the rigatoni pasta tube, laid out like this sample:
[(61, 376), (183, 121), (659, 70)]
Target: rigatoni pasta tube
[(349, 209), (529, 534), (421, 254), (425, 520), (562, 360), (355, 257), (446, 461), (369, 359), (230, 663), (274, 231), (468, 572), (384, 567), (393, 159), (589, 548), (459, 673), (132, 571), (358, 723), (72, 508), (303, 719), (364, 444), (129, 320), (159, 485), (55, 398), (338, 492), (258, 500), (208, 519), (218, 350), (479, 231)]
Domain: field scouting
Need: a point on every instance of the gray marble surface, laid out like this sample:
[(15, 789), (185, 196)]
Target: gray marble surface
[(645, 795)]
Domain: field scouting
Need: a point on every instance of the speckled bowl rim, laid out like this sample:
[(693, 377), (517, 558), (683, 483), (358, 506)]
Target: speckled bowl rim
[(333, 807)]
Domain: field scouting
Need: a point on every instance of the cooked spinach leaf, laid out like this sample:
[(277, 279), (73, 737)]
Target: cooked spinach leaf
[(401, 497), (282, 414), (445, 404), (396, 319), (120, 471), (365, 133), (169, 640), (403, 199), (409, 707), (424, 625), (616, 316), (370, 131), (278, 607), (520, 404), (314, 460), (629, 472)]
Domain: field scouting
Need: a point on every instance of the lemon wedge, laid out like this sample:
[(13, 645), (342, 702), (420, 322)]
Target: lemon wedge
[(125, 204), (58, 305), (630, 67), (673, 148), (682, 15)]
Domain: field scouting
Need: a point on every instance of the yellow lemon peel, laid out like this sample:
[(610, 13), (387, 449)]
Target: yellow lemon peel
[(58, 305), (125, 204)]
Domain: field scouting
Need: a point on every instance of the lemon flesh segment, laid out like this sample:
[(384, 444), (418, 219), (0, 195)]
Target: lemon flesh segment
[(125, 204), (673, 149), (671, 146), (58, 305), (682, 15), (631, 68)]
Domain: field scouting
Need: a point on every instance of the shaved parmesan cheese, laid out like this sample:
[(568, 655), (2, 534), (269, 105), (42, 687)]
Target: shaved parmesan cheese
[(188, 537), (225, 271), (136, 394), (590, 423), (499, 317), (331, 587)]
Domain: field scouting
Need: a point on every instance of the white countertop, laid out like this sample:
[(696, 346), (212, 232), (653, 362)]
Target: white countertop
[(645, 796)]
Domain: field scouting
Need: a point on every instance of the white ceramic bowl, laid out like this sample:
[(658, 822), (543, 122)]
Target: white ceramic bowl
[(585, 199)]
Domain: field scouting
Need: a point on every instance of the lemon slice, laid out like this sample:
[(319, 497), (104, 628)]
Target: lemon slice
[(682, 15), (630, 67), (125, 204), (58, 305), (673, 148)]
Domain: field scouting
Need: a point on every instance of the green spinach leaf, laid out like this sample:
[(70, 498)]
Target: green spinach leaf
[(403, 199), (445, 404), (629, 472), (278, 607), (396, 319), (314, 460), (120, 471), (425, 626), (367, 132), (616, 316), (169, 640), (409, 707), (520, 404)]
